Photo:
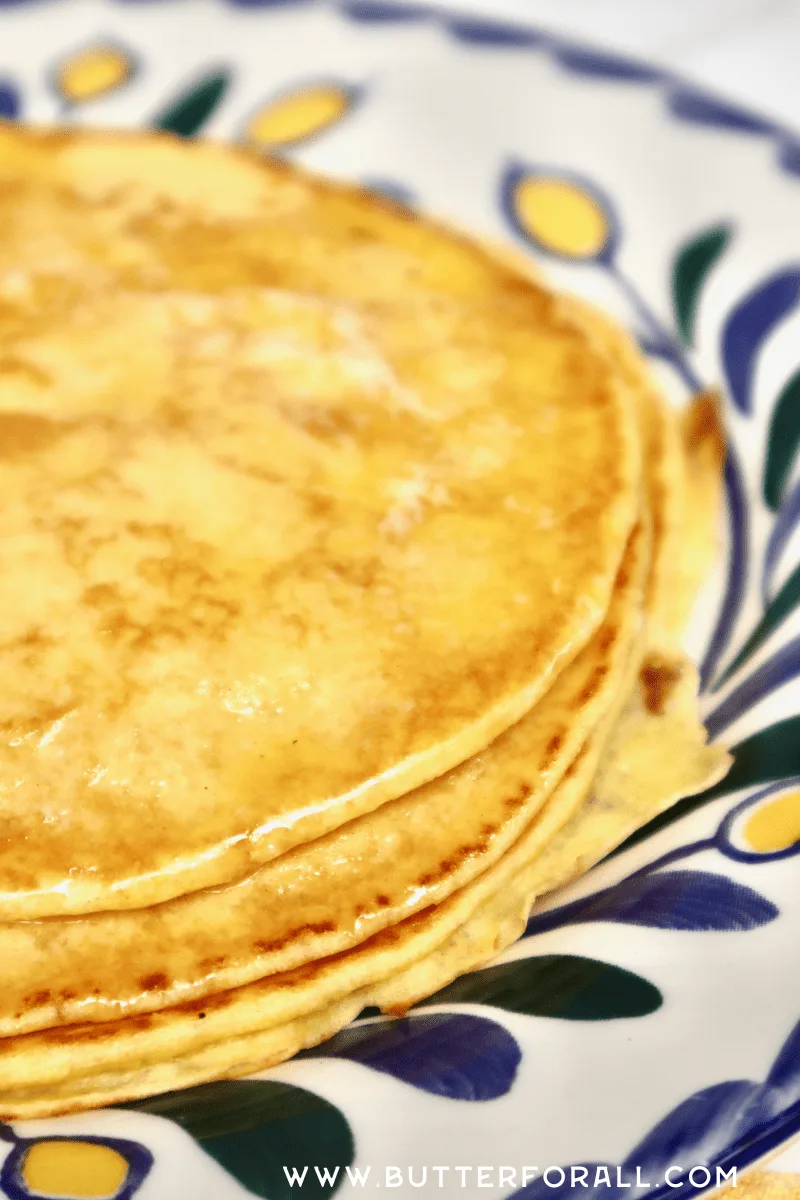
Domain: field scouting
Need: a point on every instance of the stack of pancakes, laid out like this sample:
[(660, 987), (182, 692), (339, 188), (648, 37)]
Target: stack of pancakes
[(344, 572)]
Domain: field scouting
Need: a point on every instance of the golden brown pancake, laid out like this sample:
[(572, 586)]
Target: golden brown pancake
[(305, 501), (656, 754), (282, 999), (337, 891), (256, 1026), (360, 574)]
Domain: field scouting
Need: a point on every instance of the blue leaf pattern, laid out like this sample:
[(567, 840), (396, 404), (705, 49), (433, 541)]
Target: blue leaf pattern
[(9, 100), (697, 1130), (369, 11), (489, 33), (679, 900), (782, 1085), (748, 326), (259, 3), (701, 109), (707, 1128), (604, 66), (789, 156), (448, 1054)]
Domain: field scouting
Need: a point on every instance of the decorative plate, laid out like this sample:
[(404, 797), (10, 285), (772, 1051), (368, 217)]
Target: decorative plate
[(650, 1019)]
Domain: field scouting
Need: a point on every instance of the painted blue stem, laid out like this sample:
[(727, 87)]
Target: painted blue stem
[(738, 529), (659, 340)]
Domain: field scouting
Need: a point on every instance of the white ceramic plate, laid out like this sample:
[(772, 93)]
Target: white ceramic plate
[(651, 1018)]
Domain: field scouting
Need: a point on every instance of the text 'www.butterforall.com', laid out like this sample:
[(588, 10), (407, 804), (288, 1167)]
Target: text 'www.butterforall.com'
[(698, 1177)]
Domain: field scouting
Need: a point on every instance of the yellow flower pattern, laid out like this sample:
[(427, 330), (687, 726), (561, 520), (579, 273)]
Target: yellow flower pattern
[(561, 216), (83, 1170), (298, 115), (775, 825), (92, 72)]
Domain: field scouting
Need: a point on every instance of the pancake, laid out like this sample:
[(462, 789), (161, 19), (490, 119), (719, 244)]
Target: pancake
[(305, 501), (257, 1026), (655, 754), (354, 566), (652, 760), (336, 892), (702, 433), (685, 450), (278, 999), (241, 1031), (340, 890)]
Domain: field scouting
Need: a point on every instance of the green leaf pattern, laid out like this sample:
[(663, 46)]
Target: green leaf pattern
[(255, 1127), (784, 438), (556, 985), (190, 110), (691, 268)]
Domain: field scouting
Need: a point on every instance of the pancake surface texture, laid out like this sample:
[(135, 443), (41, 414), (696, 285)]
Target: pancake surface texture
[(264, 1023), (305, 501), (336, 892), (645, 751), (346, 569)]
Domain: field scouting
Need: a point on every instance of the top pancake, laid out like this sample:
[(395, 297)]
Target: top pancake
[(304, 501)]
